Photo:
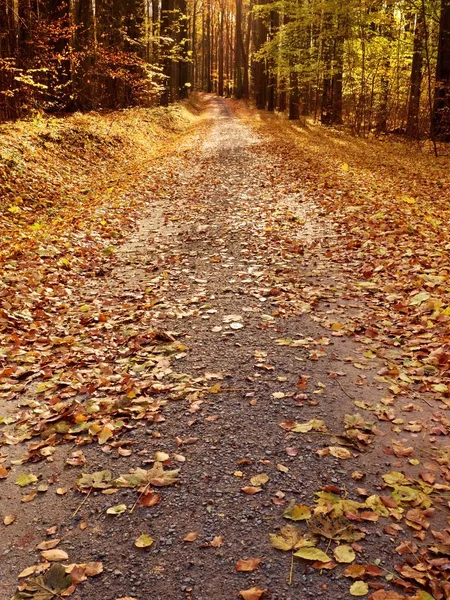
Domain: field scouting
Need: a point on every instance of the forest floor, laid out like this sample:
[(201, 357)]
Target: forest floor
[(224, 363)]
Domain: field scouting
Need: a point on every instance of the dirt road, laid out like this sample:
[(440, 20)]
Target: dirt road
[(207, 338)]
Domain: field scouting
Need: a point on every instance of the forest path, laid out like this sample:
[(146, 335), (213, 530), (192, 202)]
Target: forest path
[(224, 315)]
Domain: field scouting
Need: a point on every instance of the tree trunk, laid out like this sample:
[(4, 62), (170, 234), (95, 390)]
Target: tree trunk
[(238, 54), (259, 64), (221, 51), (441, 108), (338, 68), (412, 125)]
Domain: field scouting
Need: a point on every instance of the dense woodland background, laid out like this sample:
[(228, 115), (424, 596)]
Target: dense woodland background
[(372, 65)]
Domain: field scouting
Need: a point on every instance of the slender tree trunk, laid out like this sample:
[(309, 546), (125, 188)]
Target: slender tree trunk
[(238, 54), (221, 51), (270, 66), (326, 108), (336, 113), (412, 125)]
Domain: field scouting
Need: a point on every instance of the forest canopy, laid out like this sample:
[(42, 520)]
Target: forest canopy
[(374, 66)]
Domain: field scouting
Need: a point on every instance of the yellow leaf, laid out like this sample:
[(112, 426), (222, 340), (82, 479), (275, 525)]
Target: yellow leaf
[(117, 510), (298, 512), (260, 479), (312, 554), (105, 434), (359, 588), (344, 554), (143, 541)]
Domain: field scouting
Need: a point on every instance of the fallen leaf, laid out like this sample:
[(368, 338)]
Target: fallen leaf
[(149, 499), (312, 554), (216, 542), (248, 564), (24, 480), (254, 593), (143, 541), (386, 595), (54, 555), (339, 452), (251, 490), (297, 512), (359, 588), (116, 510), (355, 571), (344, 554), (260, 479), (8, 519), (48, 544), (190, 537)]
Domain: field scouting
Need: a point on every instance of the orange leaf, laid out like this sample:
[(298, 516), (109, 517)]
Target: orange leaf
[(150, 499), (254, 593), (251, 490), (217, 541), (247, 564)]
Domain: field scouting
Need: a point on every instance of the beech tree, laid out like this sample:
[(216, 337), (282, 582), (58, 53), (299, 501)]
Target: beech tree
[(362, 64)]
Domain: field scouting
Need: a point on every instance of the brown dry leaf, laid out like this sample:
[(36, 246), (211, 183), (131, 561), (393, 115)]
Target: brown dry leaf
[(282, 468), (254, 593), (93, 568), (216, 542), (373, 570), (386, 595), (190, 537), (8, 519), (251, 490), (355, 571), (328, 566), (400, 451), (29, 497), (247, 564), (338, 452), (125, 451), (54, 555), (48, 545), (149, 499), (3, 472), (28, 571), (416, 518), (427, 477)]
